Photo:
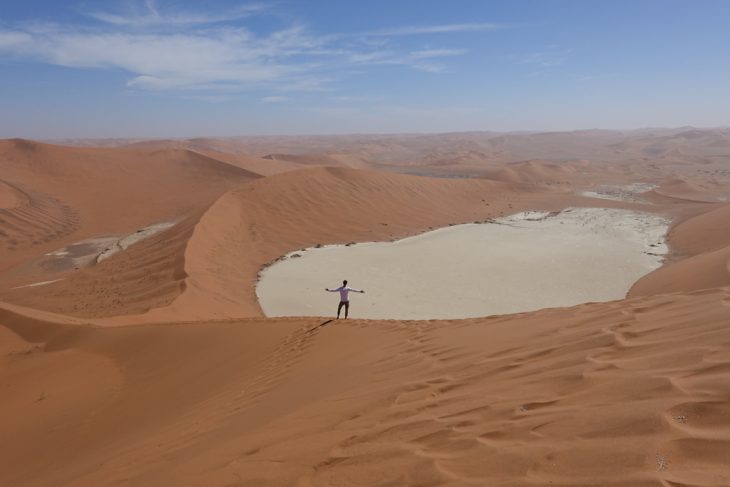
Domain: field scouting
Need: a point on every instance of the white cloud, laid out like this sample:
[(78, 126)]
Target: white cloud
[(14, 40), (432, 53), (373, 57), (149, 14), (549, 58), (435, 29), (167, 51), (274, 99), (167, 61), (415, 59)]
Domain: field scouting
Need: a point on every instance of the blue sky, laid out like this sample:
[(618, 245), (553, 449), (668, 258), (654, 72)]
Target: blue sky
[(165, 68)]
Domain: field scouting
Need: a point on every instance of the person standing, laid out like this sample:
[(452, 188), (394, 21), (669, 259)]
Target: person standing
[(344, 297)]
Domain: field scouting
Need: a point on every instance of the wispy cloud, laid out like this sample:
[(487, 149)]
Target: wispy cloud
[(183, 51), (435, 29), (274, 99), (434, 53), (548, 58), (422, 60), (149, 14), (210, 59)]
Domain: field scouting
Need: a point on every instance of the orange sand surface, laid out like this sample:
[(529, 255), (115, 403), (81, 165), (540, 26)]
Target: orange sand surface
[(155, 366)]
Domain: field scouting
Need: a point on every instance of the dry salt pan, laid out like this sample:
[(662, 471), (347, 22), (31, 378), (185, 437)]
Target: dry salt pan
[(522, 262)]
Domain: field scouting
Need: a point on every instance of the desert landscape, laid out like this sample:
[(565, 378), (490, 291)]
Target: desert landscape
[(136, 347), (265, 243)]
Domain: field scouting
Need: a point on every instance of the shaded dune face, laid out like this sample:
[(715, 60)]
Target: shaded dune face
[(11, 197), (30, 218)]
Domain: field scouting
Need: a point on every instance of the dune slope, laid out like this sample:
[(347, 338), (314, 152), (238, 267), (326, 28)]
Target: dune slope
[(623, 393), (68, 193), (149, 274), (705, 241)]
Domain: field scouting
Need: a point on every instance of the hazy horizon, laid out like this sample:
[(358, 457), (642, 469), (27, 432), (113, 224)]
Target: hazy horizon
[(373, 134), (164, 69)]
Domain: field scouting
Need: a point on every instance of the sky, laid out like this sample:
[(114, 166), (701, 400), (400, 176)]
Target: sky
[(182, 68)]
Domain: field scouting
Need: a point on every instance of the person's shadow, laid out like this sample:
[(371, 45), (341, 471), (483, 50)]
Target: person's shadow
[(314, 329)]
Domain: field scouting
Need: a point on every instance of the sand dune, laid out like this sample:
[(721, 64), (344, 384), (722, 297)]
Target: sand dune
[(704, 241), (203, 390), (702, 271), (31, 218), (69, 194), (707, 231), (150, 274), (539, 173), (103, 185), (258, 165), (600, 394), (11, 197), (686, 190)]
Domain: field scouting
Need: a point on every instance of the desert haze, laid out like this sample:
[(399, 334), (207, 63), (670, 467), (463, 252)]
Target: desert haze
[(135, 349)]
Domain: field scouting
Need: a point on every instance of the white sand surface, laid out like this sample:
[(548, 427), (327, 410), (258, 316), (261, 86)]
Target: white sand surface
[(619, 192), (121, 244), (523, 262)]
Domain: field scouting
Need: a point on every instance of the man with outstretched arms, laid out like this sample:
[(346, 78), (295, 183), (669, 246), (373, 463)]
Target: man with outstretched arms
[(344, 297)]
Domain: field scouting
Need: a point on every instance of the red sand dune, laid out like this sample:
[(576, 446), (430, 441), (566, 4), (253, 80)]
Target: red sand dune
[(686, 190), (707, 231), (258, 165), (623, 393), (204, 391), (706, 239), (70, 193), (540, 173)]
